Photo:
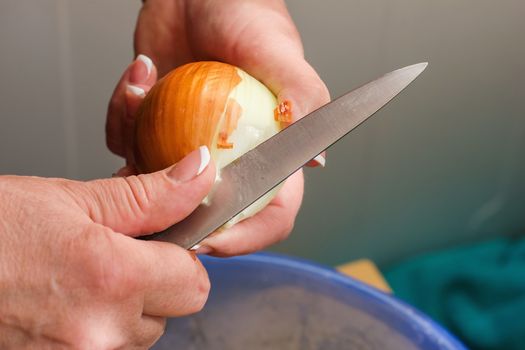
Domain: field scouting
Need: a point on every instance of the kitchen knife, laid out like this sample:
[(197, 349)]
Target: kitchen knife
[(258, 171)]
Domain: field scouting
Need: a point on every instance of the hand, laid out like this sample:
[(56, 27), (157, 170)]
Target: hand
[(255, 35), (72, 276)]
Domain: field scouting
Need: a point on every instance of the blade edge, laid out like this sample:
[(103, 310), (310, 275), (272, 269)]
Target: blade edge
[(254, 166)]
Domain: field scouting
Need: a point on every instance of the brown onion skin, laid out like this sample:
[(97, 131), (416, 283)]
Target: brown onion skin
[(181, 113)]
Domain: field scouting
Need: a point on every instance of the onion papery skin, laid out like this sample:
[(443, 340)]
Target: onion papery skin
[(205, 103)]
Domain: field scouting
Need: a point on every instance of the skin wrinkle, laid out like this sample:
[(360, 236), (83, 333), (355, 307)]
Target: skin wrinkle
[(79, 195), (139, 195)]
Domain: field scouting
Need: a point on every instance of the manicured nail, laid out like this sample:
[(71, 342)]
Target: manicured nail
[(191, 166), (320, 160), (201, 249), (147, 61), (135, 90), (140, 69), (195, 247), (205, 158)]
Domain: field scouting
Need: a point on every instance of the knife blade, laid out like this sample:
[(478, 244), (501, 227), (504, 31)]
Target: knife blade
[(258, 171)]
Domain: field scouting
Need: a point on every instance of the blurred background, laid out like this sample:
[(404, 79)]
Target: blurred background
[(442, 164)]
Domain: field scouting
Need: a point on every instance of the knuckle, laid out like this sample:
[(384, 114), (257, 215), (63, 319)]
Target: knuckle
[(97, 332), (201, 289)]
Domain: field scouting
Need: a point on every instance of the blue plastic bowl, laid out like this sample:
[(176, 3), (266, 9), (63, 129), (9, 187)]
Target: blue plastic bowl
[(268, 301)]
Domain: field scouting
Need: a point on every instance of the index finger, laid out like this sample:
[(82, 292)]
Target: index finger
[(173, 280)]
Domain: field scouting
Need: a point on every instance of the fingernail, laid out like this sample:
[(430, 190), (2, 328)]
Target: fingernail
[(201, 249), (135, 90), (140, 69), (147, 61), (320, 160), (191, 166), (205, 158)]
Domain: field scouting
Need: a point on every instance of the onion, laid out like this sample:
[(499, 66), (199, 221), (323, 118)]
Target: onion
[(206, 103)]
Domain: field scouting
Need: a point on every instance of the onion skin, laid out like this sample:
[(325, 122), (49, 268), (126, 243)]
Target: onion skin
[(206, 103), (181, 113)]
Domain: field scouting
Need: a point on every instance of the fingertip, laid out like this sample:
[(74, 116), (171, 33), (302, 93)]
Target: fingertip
[(141, 70), (191, 166), (202, 249), (147, 71), (147, 62)]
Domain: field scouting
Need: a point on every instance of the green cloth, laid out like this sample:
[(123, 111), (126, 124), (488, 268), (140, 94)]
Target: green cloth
[(476, 291)]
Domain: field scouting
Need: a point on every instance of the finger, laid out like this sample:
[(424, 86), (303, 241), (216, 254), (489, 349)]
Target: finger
[(173, 281), (160, 33), (140, 71), (134, 96), (147, 278), (296, 83), (269, 226), (144, 72), (179, 283), (147, 203)]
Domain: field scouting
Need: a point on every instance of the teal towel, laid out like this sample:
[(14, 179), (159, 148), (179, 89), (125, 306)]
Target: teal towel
[(476, 291)]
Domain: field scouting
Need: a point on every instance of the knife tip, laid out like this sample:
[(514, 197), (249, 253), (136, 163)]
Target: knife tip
[(420, 65), (415, 69)]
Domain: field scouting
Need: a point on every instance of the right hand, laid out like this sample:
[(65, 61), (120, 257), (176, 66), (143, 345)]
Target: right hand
[(72, 276)]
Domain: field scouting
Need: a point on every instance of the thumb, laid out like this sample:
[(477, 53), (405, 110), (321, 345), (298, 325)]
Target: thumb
[(148, 203)]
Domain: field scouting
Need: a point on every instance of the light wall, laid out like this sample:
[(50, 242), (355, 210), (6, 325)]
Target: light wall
[(442, 164)]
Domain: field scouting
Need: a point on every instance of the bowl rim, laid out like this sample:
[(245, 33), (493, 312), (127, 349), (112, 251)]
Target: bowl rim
[(424, 323)]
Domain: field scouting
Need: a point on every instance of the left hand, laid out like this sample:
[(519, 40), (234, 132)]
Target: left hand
[(255, 35)]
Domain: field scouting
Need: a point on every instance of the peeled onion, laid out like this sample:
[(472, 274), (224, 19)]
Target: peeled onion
[(206, 103)]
